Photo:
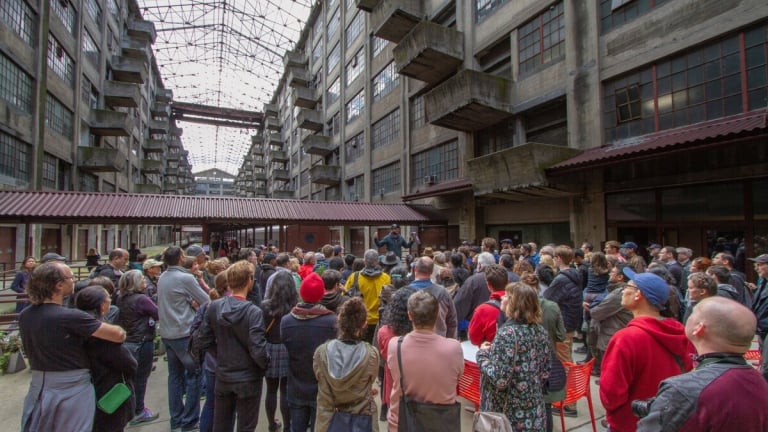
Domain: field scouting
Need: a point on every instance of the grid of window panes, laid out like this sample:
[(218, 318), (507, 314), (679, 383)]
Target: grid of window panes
[(66, 13), (355, 107), (20, 18), (304, 178), (317, 29), (377, 45), (15, 158), (89, 183), (333, 25), (16, 85), (355, 67), (385, 179), (441, 161), (355, 188), (418, 114), (113, 7), (354, 148), (354, 29), (542, 40), (57, 117), (702, 84), (615, 13), (333, 92), (49, 171), (385, 81), (60, 62), (333, 58), (333, 126), (317, 52), (93, 10), (484, 8), (495, 138), (386, 130), (90, 50)]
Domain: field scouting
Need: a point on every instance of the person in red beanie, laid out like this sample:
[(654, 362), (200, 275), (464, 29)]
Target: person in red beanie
[(308, 326)]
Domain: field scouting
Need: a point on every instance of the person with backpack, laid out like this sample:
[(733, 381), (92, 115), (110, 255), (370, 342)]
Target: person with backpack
[(482, 326), (368, 283), (113, 269)]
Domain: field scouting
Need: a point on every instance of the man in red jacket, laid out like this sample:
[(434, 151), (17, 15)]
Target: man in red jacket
[(482, 326), (641, 355)]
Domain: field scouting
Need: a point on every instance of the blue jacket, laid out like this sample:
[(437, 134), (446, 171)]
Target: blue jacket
[(394, 244)]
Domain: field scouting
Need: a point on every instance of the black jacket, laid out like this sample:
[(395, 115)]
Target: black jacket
[(236, 327), (565, 290)]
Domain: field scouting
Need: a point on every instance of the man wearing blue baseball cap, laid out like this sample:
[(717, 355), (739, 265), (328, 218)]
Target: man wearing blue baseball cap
[(635, 261), (650, 349)]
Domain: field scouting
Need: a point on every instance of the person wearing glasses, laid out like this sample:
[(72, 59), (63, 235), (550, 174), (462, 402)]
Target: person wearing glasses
[(61, 396)]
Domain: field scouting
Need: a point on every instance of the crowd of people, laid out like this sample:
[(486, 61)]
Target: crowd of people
[(332, 334)]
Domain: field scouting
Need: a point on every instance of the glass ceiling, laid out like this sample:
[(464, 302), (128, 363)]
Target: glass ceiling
[(223, 53)]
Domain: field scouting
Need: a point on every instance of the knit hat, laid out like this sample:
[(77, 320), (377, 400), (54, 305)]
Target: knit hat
[(312, 288), (654, 289)]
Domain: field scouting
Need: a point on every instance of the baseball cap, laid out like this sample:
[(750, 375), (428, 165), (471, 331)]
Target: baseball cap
[(194, 251), (761, 259), (653, 287), (395, 226), (654, 246), (148, 264), (629, 245), (52, 256)]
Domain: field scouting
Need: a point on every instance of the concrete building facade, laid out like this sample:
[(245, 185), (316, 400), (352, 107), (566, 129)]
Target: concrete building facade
[(562, 121)]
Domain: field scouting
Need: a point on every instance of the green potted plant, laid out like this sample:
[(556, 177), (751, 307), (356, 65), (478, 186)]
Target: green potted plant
[(11, 359)]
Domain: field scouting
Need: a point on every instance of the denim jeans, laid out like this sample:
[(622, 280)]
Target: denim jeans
[(206, 416), (143, 352), (302, 416), (183, 379)]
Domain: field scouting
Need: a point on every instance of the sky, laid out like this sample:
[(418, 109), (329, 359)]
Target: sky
[(223, 53)]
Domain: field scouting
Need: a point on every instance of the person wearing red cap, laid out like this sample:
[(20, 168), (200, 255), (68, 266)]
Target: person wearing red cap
[(307, 327)]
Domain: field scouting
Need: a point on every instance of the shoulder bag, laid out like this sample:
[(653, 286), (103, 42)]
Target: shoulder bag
[(114, 398), (354, 290), (425, 416)]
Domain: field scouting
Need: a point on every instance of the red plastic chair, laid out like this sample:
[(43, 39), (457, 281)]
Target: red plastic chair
[(577, 387), (755, 356), (469, 383)]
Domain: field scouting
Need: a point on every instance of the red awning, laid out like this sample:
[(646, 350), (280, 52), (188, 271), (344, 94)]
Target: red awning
[(673, 138)]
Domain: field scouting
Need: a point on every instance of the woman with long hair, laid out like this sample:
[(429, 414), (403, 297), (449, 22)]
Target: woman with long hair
[(111, 363), (19, 283), (394, 322), (138, 316), (282, 298), (515, 367), (346, 369), (597, 285)]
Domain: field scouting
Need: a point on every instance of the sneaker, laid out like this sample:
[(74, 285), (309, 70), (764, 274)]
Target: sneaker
[(566, 411), (146, 416), (194, 428)]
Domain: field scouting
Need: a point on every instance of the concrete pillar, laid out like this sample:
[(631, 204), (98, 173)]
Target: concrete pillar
[(588, 210)]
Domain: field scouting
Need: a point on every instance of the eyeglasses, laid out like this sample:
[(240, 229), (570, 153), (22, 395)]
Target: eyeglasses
[(631, 285)]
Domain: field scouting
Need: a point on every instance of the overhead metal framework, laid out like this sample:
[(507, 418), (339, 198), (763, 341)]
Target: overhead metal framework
[(226, 55), (216, 116)]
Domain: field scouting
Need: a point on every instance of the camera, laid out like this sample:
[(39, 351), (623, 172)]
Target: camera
[(642, 407)]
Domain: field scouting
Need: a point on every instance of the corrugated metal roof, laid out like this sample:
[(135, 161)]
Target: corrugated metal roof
[(667, 139), (93, 207)]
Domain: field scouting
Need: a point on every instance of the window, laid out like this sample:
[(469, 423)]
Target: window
[(15, 158), (66, 13), (484, 8), (333, 58), (90, 50), (349, 3), (49, 171), (89, 94), (755, 51), (418, 114), (333, 92), (385, 81), (628, 103), (615, 13), (386, 130), (378, 45), (57, 117), (16, 85), (89, 183), (355, 107), (19, 17), (441, 161), (354, 29), (355, 67), (317, 52), (93, 10), (60, 62), (495, 138), (333, 25), (355, 188), (542, 40), (496, 59), (113, 7), (304, 178), (354, 148), (333, 127), (385, 179), (317, 29)]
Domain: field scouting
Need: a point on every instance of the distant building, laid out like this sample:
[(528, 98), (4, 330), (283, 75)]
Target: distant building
[(214, 182)]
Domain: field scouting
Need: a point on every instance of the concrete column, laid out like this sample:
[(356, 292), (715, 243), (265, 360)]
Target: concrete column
[(588, 210)]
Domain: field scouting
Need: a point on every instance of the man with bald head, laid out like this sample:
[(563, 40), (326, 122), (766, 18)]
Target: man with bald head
[(723, 392)]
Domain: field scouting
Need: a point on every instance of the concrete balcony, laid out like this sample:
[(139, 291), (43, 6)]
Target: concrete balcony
[(147, 188), (297, 77), (275, 139), (160, 109), (174, 144), (258, 162), (100, 159), (176, 131), (325, 174), (127, 69), (271, 110), (164, 95), (121, 94), (283, 194), (141, 29), (110, 123), (320, 145), (304, 97), (151, 166), (172, 171), (281, 175), (158, 127), (172, 156), (367, 5), (278, 156), (155, 146), (260, 176), (295, 59), (469, 101), (393, 19), (309, 119), (430, 52), (273, 124), (136, 48), (518, 168), (259, 191)]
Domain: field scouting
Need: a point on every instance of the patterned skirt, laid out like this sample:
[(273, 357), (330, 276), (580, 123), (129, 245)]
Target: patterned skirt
[(278, 365)]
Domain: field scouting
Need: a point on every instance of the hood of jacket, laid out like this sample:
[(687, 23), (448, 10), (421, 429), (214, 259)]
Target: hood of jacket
[(230, 311), (669, 333), (344, 360), (371, 271), (305, 311), (572, 274), (332, 300)]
